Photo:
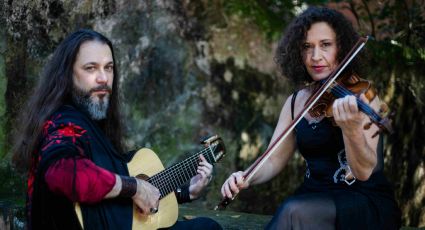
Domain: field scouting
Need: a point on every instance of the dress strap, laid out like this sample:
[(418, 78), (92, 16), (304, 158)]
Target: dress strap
[(293, 104)]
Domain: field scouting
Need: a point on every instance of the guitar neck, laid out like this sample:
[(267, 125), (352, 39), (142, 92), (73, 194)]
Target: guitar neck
[(179, 174)]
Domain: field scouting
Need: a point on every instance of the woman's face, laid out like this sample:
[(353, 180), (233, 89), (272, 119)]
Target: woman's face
[(320, 51)]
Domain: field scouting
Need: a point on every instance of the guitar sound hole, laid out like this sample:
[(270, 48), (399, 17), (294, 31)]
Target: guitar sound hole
[(142, 176)]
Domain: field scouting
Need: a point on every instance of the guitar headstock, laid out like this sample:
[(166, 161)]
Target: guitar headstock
[(216, 146)]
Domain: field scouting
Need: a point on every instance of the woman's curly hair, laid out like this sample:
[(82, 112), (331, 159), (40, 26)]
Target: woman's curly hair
[(289, 51)]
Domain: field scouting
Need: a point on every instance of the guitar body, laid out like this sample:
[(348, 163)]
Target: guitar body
[(146, 162)]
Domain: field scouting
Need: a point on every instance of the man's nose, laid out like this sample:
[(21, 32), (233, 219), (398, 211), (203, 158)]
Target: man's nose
[(102, 77)]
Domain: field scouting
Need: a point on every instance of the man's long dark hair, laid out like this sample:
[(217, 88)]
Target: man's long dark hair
[(54, 89), (289, 51)]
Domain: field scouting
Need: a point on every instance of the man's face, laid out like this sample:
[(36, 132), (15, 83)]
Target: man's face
[(93, 75)]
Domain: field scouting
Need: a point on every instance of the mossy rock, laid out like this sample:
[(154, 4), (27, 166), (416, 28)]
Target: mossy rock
[(227, 219)]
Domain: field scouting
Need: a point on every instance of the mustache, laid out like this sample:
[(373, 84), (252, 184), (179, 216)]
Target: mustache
[(101, 88)]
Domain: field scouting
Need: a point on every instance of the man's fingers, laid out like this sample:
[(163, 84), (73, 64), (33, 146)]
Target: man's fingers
[(202, 173)]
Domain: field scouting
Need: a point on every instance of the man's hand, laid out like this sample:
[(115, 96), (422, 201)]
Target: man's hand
[(202, 179), (146, 197)]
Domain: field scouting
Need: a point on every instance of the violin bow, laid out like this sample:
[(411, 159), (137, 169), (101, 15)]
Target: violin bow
[(361, 42)]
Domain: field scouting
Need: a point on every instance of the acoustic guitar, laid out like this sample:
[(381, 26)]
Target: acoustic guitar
[(147, 166)]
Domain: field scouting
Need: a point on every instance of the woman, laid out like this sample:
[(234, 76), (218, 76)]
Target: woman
[(344, 187)]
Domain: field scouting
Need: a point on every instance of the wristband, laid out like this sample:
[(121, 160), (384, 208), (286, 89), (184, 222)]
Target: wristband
[(183, 195), (128, 186)]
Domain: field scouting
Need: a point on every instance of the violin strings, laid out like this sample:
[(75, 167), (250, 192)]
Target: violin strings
[(341, 92)]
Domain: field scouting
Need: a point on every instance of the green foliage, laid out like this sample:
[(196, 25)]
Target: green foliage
[(270, 15), (12, 184)]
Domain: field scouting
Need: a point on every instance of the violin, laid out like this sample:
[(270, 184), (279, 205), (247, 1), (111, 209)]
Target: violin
[(352, 84)]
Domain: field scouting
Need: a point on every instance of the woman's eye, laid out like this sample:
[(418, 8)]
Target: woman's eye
[(327, 44)]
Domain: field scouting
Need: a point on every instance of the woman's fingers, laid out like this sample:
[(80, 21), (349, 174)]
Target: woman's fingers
[(233, 184)]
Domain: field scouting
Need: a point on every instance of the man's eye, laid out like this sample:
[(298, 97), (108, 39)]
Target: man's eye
[(109, 68)]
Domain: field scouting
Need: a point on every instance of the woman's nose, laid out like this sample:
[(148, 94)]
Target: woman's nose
[(316, 55)]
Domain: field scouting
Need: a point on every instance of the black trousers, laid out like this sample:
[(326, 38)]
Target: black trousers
[(203, 223)]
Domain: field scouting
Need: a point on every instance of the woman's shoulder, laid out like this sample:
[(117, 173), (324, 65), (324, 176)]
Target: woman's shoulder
[(294, 101), (300, 95)]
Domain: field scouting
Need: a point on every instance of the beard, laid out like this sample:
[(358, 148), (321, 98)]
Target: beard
[(95, 105)]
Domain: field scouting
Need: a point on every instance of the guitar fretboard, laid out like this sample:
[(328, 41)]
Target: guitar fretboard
[(179, 174)]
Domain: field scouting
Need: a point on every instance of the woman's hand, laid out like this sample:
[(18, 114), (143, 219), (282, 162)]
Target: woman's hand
[(234, 184), (347, 114), (202, 179)]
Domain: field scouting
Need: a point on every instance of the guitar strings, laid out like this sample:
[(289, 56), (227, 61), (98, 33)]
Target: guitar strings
[(166, 174), (164, 180), (191, 163), (162, 176)]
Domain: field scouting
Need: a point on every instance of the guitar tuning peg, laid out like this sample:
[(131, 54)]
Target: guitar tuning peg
[(208, 139)]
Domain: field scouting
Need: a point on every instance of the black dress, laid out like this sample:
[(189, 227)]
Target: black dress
[(326, 200)]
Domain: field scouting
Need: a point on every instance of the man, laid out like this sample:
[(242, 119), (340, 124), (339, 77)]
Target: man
[(70, 141)]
